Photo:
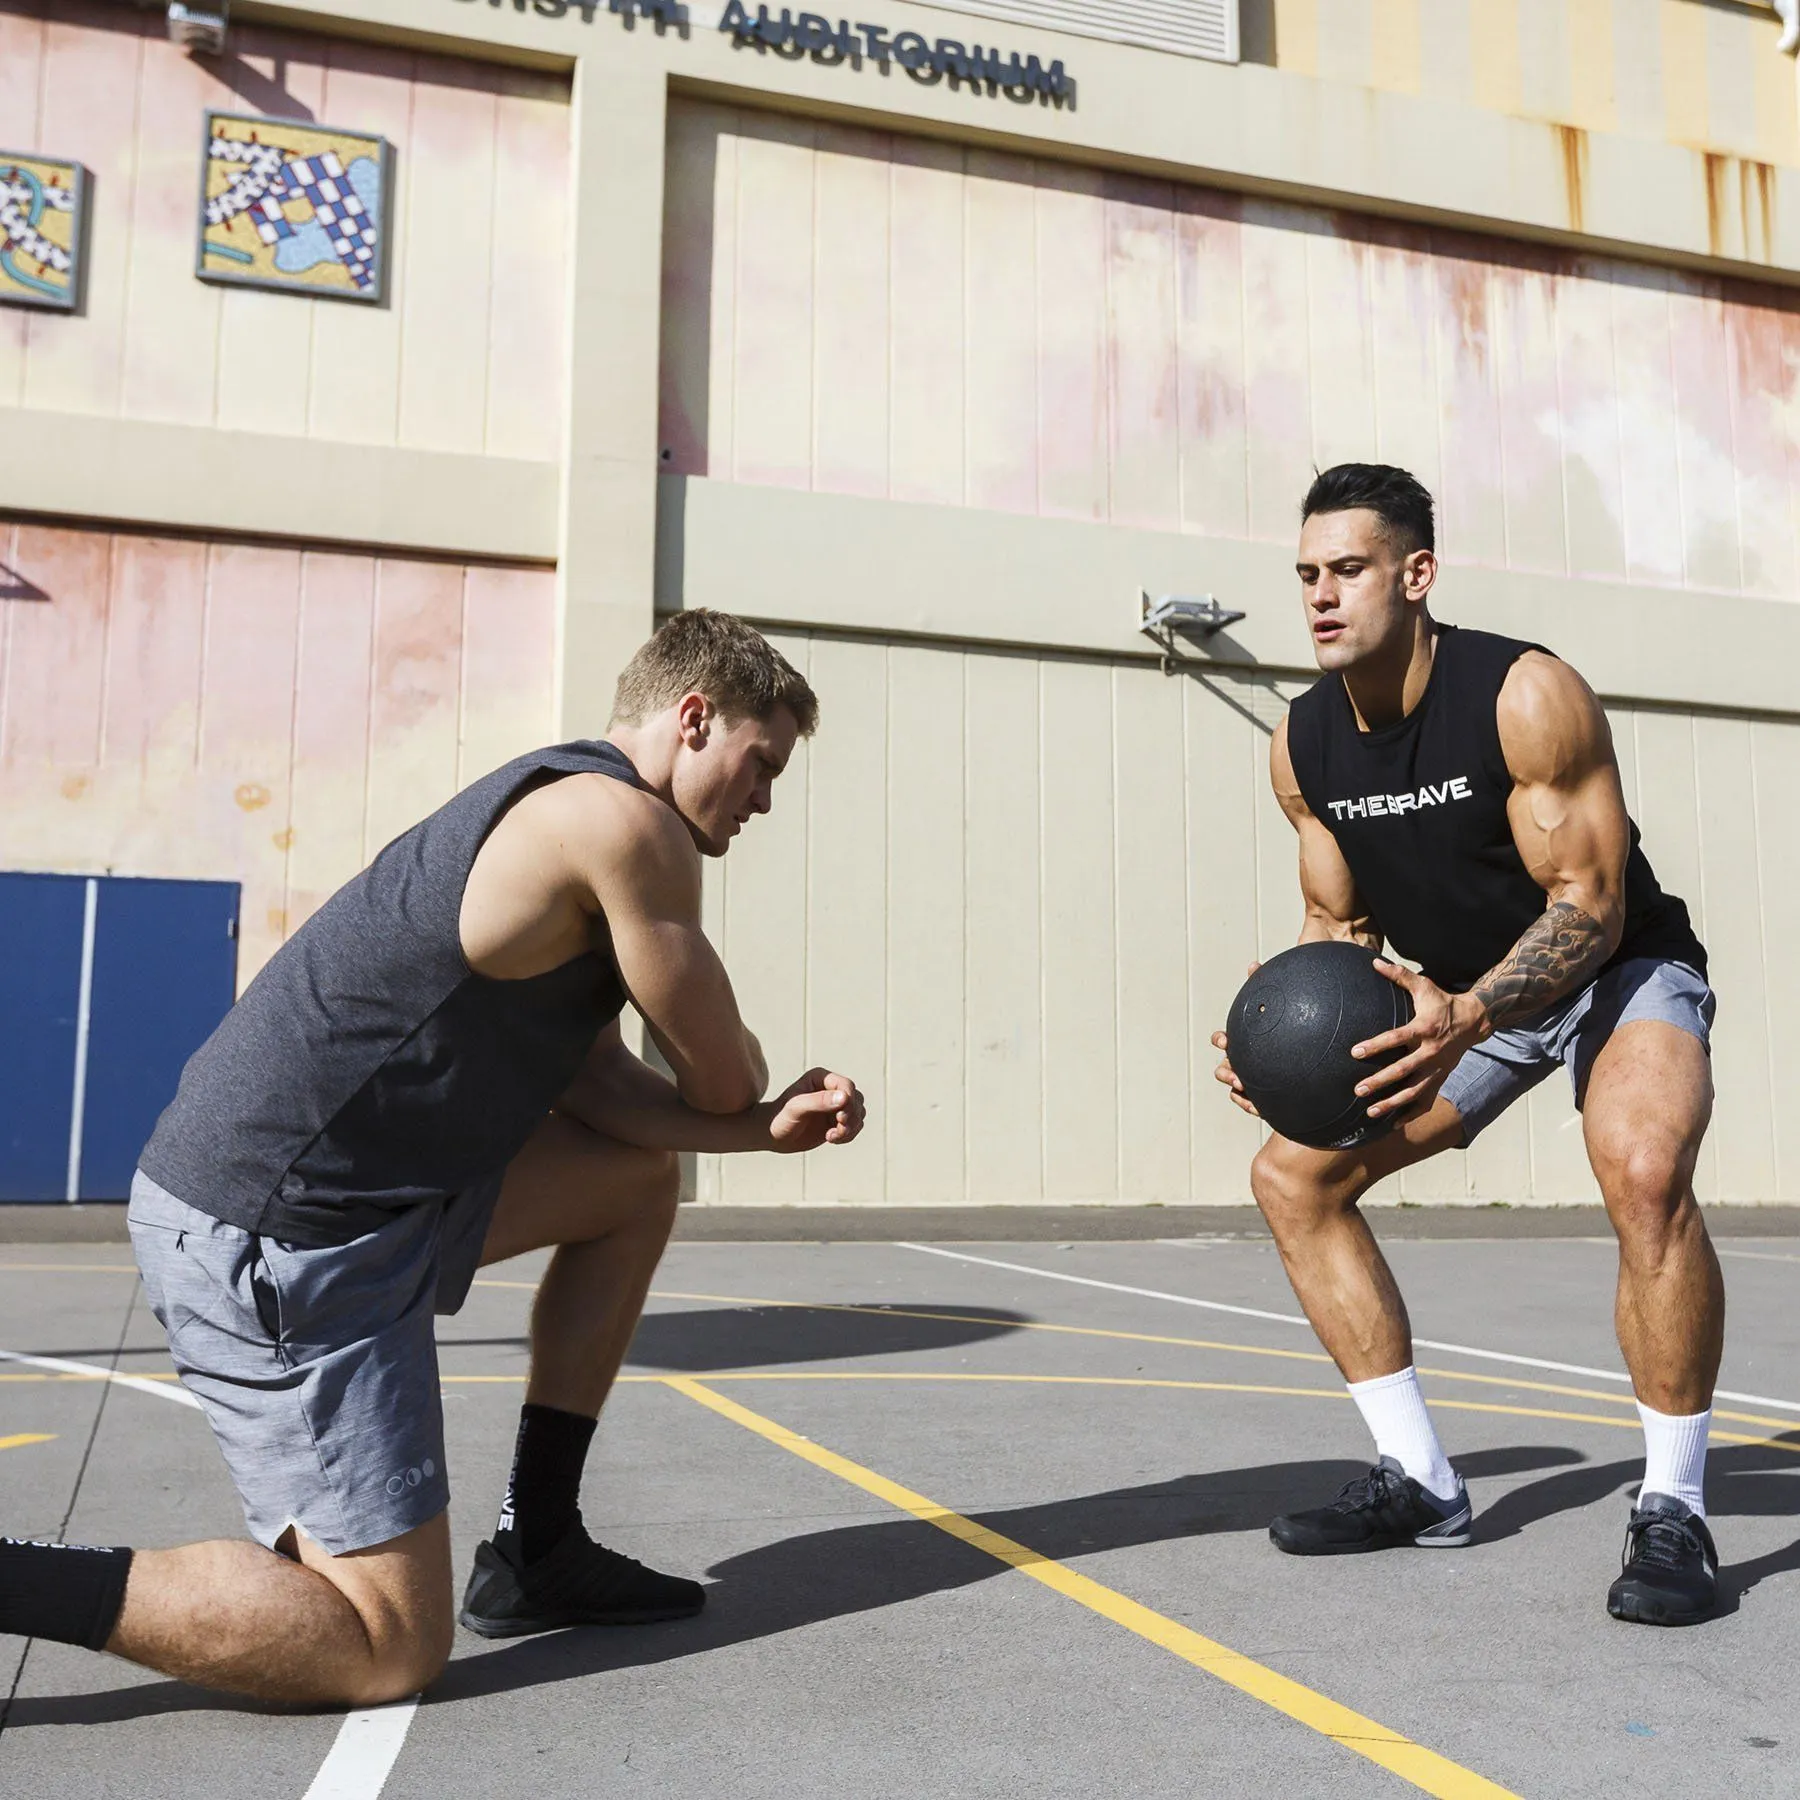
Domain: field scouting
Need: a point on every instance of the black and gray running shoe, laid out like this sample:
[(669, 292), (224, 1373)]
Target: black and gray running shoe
[(1378, 1511), (578, 1583), (1670, 1573)]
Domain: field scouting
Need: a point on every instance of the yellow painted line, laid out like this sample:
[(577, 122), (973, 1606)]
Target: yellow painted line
[(1140, 1337), (1144, 1381), (26, 1437), (1424, 1769)]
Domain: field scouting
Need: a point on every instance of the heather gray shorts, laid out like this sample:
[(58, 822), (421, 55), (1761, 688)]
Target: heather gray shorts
[(317, 1368), (1512, 1062)]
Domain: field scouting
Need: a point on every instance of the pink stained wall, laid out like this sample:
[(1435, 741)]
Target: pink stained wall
[(251, 712), (467, 352), (863, 313)]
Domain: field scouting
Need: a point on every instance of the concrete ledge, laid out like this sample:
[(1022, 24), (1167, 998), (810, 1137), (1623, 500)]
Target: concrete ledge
[(104, 1223), (241, 483), (1125, 1224), (958, 574)]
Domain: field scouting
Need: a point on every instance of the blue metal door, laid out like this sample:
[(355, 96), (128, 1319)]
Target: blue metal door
[(107, 986), (41, 920), (165, 973)]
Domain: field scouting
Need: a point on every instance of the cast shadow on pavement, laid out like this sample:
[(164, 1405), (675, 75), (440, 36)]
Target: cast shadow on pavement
[(715, 1338), (832, 1574), (835, 1573), (1742, 1481), (851, 1569)]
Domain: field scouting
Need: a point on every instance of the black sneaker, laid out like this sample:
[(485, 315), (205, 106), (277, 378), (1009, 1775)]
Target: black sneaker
[(1670, 1573), (1378, 1511), (578, 1583)]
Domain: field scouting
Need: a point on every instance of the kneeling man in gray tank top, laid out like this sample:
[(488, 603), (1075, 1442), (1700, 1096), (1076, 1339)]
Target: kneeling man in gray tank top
[(1456, 796), (428, 1077)]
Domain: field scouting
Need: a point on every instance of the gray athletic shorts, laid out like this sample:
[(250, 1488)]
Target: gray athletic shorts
[(1512, 1062), (317, 1368)]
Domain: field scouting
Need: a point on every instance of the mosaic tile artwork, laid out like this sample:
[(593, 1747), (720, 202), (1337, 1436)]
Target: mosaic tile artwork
[(295, 206), (41, 205)]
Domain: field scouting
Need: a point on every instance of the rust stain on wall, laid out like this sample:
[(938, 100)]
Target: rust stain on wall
[(251, 795), (1758, 177), (1572, 140), (1715, 199)]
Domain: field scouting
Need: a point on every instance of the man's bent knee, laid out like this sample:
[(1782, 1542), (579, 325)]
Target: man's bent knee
[(1294, 1186), (1650, 1200), (404, 1669), (402, 1595), (658, 1181)]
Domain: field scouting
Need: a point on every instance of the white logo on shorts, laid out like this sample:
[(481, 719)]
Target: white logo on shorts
[(398, 1484)]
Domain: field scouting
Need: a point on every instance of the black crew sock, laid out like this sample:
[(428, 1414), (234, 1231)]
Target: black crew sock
[(543, 1493), (66, 1592)]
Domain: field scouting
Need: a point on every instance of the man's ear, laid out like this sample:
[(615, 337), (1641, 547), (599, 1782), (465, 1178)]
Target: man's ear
[(1421, 572), (693, 720)]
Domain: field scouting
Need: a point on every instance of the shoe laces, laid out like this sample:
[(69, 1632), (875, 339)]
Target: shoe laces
[(1657, 1541), (1373, 1489)]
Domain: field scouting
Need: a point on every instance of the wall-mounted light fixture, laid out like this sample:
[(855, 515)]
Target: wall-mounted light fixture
[(1172, 619), (200, 27)]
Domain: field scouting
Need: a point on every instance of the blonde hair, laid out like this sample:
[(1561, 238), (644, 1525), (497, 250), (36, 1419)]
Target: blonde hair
[(718, 655)]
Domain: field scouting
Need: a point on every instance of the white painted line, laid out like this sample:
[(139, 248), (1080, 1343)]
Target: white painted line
[(1253, 1312), (159, 1390), (84, 998), (1757, 1255), (368, 1744)]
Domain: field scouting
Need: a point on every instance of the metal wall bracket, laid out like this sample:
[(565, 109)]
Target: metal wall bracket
[(1171, 619), (200, 27)]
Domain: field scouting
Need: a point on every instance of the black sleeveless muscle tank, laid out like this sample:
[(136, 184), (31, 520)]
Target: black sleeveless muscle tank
[(1419, 810), (368, 1068)]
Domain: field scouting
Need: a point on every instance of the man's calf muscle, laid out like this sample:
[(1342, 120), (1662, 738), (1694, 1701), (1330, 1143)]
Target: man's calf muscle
[(235, 1616)]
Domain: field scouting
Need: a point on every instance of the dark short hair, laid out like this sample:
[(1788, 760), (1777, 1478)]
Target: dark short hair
[(714, 654), (1400, 501)]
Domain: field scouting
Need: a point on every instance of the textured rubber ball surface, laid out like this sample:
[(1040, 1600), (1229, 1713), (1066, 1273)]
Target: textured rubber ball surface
[(1289, 1036)]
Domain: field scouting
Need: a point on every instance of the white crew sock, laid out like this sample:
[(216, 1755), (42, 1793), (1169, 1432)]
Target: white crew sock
[(1394, 1410), (1675, 1456)]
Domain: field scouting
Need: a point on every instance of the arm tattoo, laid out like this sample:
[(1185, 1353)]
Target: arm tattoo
[(1560, 950)]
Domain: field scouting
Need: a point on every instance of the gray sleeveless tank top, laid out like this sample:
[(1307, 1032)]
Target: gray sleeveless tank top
[(368, 1068)]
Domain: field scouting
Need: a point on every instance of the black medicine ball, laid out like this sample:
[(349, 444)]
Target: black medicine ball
[(1289, 1036)]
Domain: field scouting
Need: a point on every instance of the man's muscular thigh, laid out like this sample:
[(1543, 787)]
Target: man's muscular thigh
[(1645, 1112), (570, 1184)]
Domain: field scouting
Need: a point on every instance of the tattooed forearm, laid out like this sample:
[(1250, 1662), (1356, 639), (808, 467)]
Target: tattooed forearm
[(1562, 949)]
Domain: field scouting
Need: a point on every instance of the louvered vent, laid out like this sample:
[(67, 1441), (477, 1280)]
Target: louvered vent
[(1206, 28)]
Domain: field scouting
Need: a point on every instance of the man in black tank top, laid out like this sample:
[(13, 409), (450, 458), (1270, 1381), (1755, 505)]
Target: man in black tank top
[(429, 1076), (1456, 795)]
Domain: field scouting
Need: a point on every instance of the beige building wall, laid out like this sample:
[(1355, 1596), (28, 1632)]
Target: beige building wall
[(1678, 71), (935, 383), (251, 712), (1014, 895), (467, 353), (862, 313), (1016, 891)]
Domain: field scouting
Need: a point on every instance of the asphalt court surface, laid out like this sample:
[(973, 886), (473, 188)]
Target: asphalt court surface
[(976, 1530)]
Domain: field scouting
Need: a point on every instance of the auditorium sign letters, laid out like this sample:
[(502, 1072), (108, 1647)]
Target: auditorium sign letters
[(812, 34), (794, 35)]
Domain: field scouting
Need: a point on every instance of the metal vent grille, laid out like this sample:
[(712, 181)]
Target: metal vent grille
[(1206, 28)]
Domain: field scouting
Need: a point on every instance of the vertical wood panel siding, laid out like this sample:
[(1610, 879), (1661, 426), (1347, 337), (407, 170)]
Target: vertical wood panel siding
[(858, 314), (1681, 70), (251, 713), (1014, 897), (465, 354)]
